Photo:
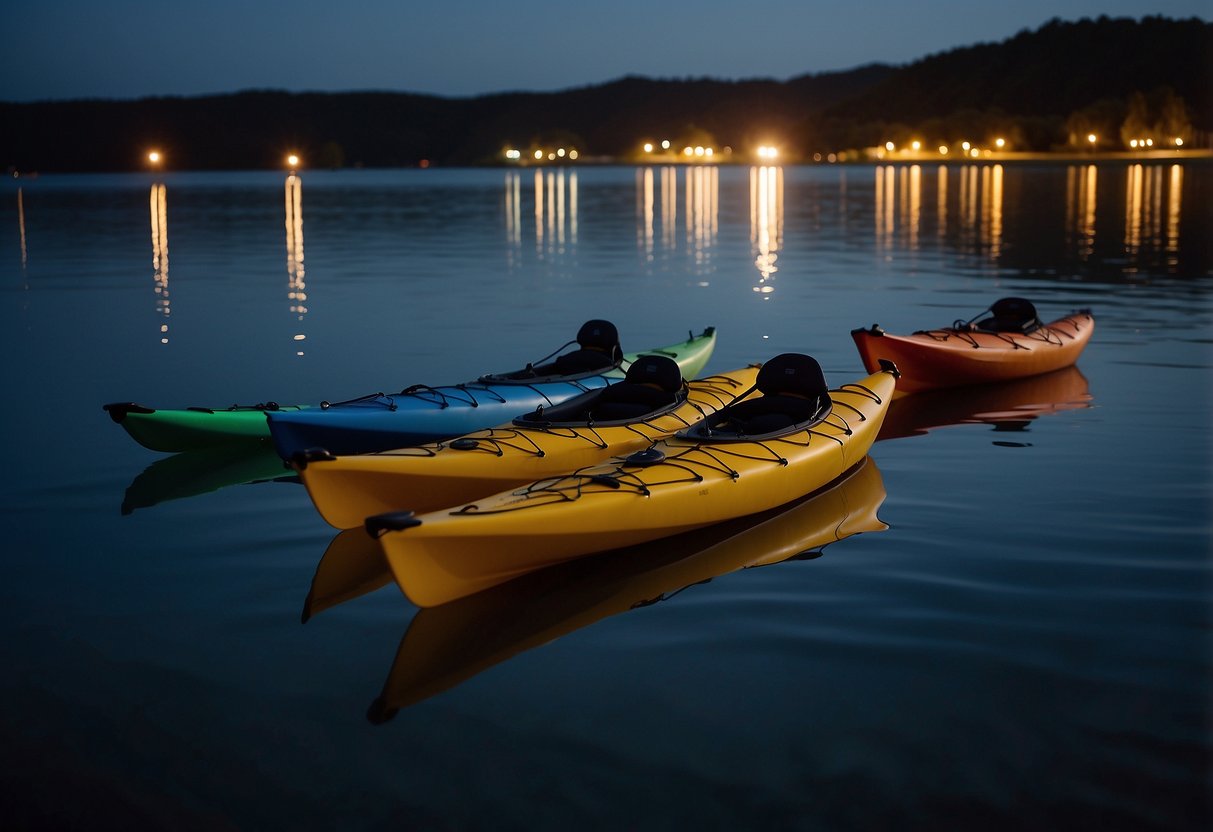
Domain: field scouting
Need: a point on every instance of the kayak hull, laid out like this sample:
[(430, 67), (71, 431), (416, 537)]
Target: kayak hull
[(443, 555), (949, 357), (191, 429), (348, 489), (432, 414)]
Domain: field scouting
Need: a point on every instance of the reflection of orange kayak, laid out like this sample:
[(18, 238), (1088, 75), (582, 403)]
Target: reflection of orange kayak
[(447, 644), (967, 355), (1009, 405)]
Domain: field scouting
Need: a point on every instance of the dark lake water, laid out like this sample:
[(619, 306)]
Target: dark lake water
[(1027, 645)]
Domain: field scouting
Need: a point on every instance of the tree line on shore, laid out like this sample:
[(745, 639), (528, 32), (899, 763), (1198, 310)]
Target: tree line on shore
[(1041, 90)]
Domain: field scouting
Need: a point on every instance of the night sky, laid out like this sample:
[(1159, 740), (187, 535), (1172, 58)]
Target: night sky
[(58, 49)]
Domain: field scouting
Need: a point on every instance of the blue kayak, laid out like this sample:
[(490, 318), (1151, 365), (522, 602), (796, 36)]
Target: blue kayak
[(421, 413)]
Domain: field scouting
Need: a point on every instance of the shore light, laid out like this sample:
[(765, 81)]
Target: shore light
[(974, 153), (292, 161), (1092, 138), (665, 144), (999, 143), (889, 146), (1179, 142), (154, 157), (648, 147), (1149, 142), (943, 150), (1133, 143), (538, 154), (688, 151), (560, 153), (915, 145), (966, 146), (573, 153)]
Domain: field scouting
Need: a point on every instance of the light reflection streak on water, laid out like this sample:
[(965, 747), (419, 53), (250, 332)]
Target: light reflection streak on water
[(1081, 184), (994, 212), (915, 205), (21, 227), (942, 208), (702, 195), (555, 195), (766, 223), (296, 286), (539, 211), (669, 207), (158, 209), (1174, 199), (646, 207)]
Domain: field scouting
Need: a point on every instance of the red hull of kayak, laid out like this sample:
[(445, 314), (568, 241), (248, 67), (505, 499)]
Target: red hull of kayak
[(950, 357)]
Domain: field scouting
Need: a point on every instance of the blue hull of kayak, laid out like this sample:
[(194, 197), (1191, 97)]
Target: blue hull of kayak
[(431, 415), (423, 414)]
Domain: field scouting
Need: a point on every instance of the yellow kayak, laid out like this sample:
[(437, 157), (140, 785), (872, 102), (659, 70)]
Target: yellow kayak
[(709, 473), (348, 489), (443, 646)]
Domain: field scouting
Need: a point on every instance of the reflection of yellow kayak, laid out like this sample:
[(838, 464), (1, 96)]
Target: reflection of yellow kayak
[(348, 489), (446, 645), (1007, 406), (351, 566), (198, 472), (680, 484)]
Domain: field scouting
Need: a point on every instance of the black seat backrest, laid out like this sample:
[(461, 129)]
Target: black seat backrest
[(660, 370), (793, 373), (1010, 315), (599, 335)]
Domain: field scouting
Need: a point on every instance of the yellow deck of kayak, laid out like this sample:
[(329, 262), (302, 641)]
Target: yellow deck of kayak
[(443, 555), (348, 489)]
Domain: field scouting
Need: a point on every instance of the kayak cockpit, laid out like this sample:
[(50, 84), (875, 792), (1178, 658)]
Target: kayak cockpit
[(794, 397), (653, 386), (598, 351)]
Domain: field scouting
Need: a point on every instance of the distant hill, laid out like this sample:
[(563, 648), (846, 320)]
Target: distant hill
[(1039, 86)]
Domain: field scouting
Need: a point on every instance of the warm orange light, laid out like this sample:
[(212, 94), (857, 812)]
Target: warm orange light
[(1092, 138), (573, 154), (888, 146), (154, 157), (688, 151), (538, 154), (916, 145), (974, 153), (966, 146), (1179, 142), (1133, 143), (1149, 142), (665, 144), (999, 142), (292, 160), (943, 150), (648, 147)]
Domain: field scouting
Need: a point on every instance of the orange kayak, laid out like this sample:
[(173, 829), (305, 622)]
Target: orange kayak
[(964, 354)]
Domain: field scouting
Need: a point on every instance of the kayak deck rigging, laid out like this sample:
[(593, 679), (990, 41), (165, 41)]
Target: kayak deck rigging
[(712, 456)]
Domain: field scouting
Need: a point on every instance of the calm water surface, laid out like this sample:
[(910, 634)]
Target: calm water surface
[(1003, 622)]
